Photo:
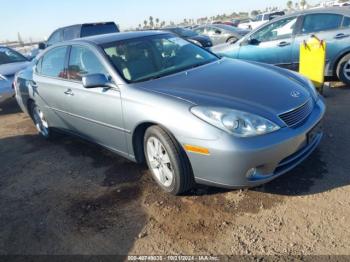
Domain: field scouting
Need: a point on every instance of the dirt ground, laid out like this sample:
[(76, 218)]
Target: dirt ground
[(72, 197)]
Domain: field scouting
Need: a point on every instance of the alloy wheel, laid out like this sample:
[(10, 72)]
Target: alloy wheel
[(40, 122), (159, 162), (347, 70)]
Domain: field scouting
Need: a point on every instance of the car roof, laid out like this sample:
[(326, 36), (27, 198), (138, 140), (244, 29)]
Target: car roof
[(115, 37), (84, 24), (335, 10)]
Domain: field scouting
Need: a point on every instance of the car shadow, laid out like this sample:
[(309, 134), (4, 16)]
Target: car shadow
[(67, 197), (9, 107)]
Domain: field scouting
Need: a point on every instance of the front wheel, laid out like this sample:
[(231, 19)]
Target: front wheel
[(167, 162), (343, 70)]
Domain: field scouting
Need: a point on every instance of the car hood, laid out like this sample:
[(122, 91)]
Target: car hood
[(235, 84), (10, 69)]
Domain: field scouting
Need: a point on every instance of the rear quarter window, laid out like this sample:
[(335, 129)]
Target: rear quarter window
[(346, 22)]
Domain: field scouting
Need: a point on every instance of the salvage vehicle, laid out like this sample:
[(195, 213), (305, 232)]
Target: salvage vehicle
[(10, 63), (192, 116), (190, 35), (220, 33), (279, 41)]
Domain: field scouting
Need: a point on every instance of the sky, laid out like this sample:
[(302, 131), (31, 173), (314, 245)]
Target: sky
[(39, 18)]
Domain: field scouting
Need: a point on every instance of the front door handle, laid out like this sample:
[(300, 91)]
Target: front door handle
[(33, 84), (341, 35), (282, 44), (69, 92)]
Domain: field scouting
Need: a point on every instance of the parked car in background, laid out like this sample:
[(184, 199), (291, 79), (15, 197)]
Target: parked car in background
[(190, 35), (220, 33), (193, 117), (76, 31), (261, 19), (279, 41), (10, 63)]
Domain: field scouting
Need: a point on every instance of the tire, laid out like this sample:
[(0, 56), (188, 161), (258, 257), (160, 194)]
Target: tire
[(231, 40), (169, 157), (343, 70), (40, 122)]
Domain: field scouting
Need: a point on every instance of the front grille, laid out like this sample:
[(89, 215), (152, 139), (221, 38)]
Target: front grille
[(298, 115)]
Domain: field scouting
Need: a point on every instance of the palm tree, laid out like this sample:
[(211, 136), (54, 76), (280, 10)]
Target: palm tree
[(290, 4), (145, 23), (303, 4), (162, 24), (157, 22), (151, 24)]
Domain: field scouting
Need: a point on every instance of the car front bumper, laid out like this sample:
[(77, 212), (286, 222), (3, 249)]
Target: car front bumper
[(248, 162)]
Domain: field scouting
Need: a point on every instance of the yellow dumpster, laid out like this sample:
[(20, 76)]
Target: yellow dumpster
[(313, 60)]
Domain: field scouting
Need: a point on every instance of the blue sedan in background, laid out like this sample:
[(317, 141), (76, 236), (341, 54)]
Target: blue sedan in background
[(278, 42)]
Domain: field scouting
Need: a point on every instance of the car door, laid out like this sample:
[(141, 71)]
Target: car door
[(325, 26), (49, 84), (271, 44), (95, 113)]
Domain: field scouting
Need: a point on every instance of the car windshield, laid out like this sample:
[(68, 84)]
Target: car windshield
[(156, 56), (8, 56)]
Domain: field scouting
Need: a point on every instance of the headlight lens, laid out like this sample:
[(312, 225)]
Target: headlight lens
[(2, 78), (238, 123)]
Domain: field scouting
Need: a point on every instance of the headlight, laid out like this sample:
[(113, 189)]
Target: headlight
[(195, 42), (2, 78), (238, 123)]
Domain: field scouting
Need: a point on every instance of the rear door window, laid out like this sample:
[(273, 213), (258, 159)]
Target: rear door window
[(321, 22), (82, 62), (53, 62)]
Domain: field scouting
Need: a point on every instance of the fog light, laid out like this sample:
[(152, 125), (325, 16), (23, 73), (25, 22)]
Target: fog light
[(251, 172)]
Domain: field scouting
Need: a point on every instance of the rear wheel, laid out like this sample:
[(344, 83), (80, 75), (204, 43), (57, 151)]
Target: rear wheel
[(343, 70), (40, 121), (169, 166)]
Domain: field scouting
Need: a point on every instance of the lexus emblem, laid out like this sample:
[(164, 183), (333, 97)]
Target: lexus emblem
[(295, 94)]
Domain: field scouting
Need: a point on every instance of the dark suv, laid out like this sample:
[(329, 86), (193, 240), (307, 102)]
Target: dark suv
[(79, 31)]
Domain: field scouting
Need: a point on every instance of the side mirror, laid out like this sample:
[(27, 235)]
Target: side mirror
[(217, 32), (253, 41), (97, 80), (42, 46)]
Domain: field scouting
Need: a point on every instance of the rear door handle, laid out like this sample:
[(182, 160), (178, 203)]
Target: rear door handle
[(69, 92), (282, 44), (340, 36)]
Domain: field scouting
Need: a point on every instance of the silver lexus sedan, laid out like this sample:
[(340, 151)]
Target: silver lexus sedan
[(192, 116)]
